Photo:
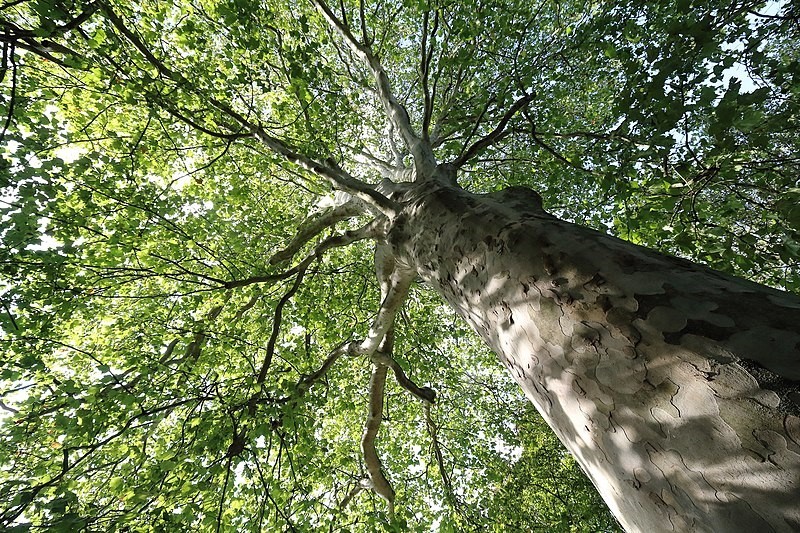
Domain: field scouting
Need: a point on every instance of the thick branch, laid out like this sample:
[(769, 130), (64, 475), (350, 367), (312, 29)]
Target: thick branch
[(378, 481), (395, 282), (420, 149), (386, 169), (349, 496)]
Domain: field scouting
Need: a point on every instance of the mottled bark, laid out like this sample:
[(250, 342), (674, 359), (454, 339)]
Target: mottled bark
[(674, 386)]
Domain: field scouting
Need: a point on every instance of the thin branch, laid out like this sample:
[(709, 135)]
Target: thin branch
[(246, 307), (554, 153), (19, 33), (10, 514), (425, 68), (181, 268), (313, 226), (10, 314), (183, 118), (386, 169), (224, 490), (134, 39), (276, 325), (496, 134), (8, 408), (11, 4), (363, 18), (437, 452), (13, 96), (585, 135), (307, 381), (425, 394), (301, 270)]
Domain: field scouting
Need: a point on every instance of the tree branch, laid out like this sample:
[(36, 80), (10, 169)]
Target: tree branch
[(313, 226), (496, 134), (378, 481), (373, 229), (183, 118), (12, 98), (437, 452), (386, 169), (425, 394), (335, 176), (394, 282), (349, 496), (425, 68), (420, 149), (306, 382)]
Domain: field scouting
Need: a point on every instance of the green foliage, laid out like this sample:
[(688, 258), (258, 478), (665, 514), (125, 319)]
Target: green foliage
[(129, 196), (548, 487)]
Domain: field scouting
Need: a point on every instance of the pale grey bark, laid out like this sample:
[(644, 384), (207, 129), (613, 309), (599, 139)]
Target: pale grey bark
[(394, 282), (673, 385), (420, 149)]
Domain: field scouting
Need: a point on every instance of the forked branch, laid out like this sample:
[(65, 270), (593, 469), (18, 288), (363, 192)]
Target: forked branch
[(496, 134), (394, 282), (313, 226), (373, 229), (420, 149), (337, 177)]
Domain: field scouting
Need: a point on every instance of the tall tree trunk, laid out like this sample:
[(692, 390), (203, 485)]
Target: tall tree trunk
[(675, 386)]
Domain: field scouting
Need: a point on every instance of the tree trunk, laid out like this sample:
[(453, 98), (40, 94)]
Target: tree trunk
[(675, 386)]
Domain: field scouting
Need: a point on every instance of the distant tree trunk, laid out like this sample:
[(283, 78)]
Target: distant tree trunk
[(675, 386)]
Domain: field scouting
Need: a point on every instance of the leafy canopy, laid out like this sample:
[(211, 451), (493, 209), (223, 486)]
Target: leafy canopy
[(175, 283)]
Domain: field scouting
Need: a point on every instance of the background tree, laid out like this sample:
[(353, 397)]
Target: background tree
[(189, 225)]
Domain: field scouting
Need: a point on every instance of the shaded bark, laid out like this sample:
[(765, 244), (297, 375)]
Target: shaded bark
[(675, 386)]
